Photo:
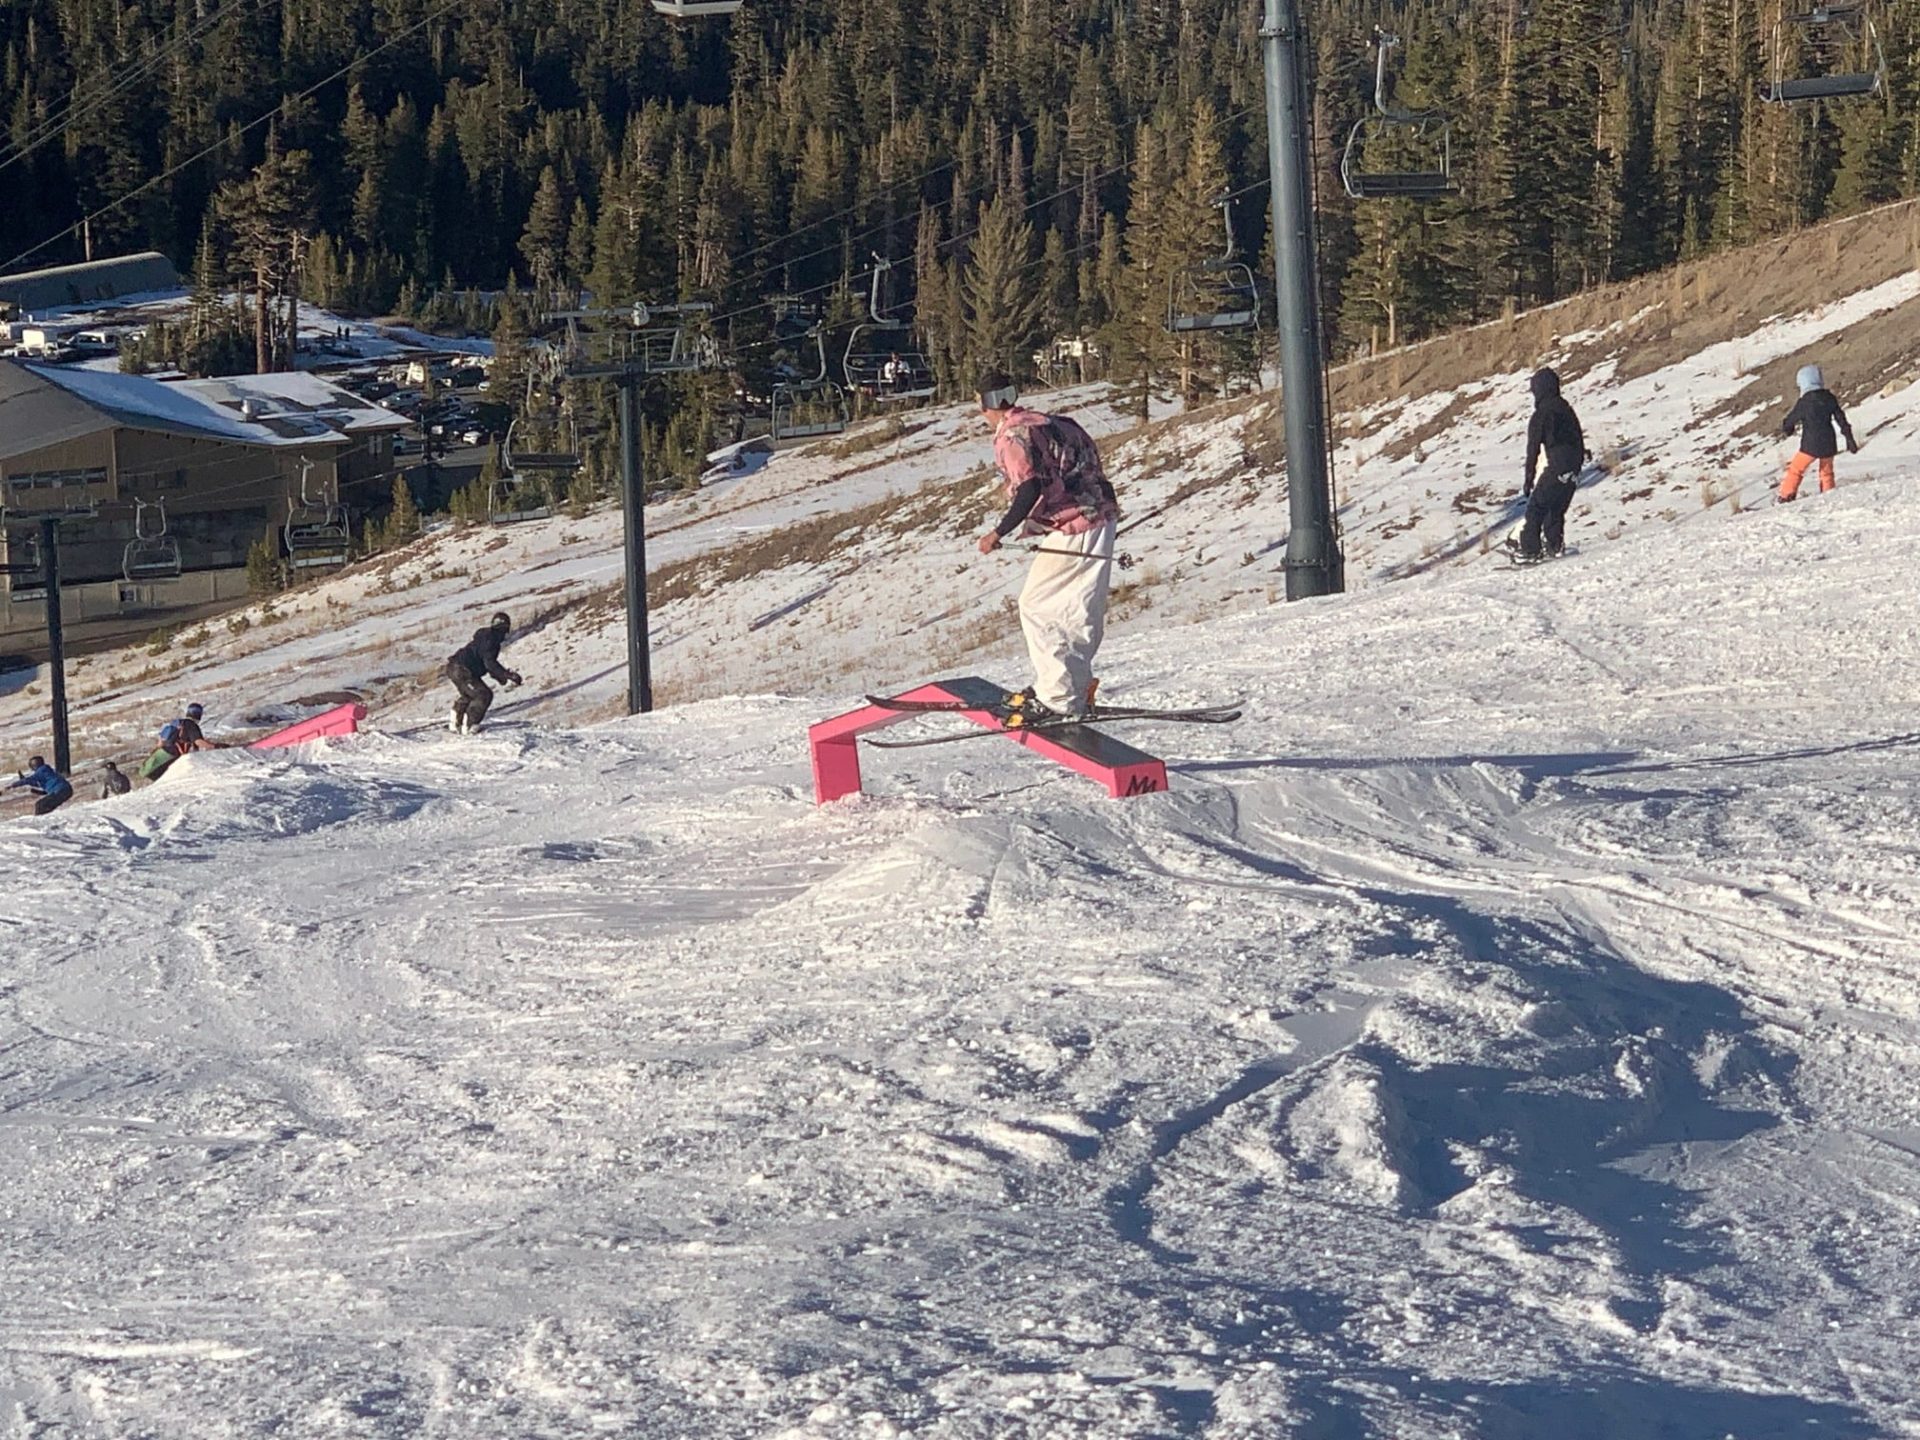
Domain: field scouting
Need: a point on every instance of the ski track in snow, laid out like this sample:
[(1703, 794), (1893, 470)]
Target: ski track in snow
[(1507, 1030)]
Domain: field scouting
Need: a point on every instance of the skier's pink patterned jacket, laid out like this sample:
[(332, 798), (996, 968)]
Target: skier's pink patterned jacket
[(1074, 493)]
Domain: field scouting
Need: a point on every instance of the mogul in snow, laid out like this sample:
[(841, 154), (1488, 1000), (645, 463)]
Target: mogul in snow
[(1555, 434), (46, 782), (1816, 413), (468, 668), (1056, 488)]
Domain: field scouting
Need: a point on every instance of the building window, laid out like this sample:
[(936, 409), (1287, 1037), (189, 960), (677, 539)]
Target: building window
[(55, 480)]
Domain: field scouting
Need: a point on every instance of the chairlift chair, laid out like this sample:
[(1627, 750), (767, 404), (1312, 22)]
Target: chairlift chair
[(522, 491), (513, 496), (1434, 182), (794, 318), (877, 363), (25, 567), (807, 409), (150, 556), (1219, 293), (316, 533), (1830, 31)]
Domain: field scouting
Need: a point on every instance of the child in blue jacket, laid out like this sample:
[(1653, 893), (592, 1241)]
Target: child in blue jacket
[(50, 783)]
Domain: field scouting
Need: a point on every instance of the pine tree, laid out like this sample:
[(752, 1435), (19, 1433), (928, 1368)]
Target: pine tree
[(403, 520), (1002, 289), (269, 215), (544, 242)]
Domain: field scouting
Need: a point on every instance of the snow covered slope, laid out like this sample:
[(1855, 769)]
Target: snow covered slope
[(1507, 1030), (847, 566)]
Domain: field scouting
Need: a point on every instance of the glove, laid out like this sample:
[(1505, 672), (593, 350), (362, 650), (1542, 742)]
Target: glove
[(1526, 491), (513, 680), (1853, 446)]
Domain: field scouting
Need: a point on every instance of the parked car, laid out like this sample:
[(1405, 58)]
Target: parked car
[(474, 437)]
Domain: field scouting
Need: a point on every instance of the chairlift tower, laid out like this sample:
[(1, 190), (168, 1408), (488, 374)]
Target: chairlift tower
[(654, 340), (1314, 565), (45, 565)]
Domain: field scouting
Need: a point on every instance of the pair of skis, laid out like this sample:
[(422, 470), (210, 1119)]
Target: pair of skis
[(1014, 721)]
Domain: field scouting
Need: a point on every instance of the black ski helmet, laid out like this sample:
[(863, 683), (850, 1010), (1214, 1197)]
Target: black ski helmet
[(195, 711), (34, 762), (501, 621)]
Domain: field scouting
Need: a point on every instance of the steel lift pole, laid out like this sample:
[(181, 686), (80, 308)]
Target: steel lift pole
[(1314, 564)]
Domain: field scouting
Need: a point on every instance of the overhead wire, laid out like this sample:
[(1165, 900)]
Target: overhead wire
[(1535, 63), (227, 138), (83, 104)]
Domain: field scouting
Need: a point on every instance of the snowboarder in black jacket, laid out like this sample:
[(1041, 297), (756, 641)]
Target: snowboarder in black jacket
[(1816, 413), (468, 665), (1555, 433)]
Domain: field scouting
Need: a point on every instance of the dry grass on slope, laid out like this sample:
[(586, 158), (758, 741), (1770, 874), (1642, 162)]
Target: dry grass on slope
[(1654, 320), (1877, 355)]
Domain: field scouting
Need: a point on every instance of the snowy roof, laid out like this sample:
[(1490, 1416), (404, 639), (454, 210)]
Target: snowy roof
[(192, 408), (97, 280), (297, 397), (38, 415)]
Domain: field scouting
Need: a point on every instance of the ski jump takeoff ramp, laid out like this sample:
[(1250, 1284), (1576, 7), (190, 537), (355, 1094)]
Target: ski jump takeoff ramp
[(1121, 768)]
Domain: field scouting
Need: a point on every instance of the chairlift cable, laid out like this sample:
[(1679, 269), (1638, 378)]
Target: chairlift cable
[(227, 137), (83, 104)]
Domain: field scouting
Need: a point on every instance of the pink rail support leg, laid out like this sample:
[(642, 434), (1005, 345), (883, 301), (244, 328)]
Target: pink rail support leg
[(1121, 768)]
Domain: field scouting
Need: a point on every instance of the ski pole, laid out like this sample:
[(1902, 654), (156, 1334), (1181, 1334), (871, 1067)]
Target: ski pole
[(1125, 562), (1141, 520)]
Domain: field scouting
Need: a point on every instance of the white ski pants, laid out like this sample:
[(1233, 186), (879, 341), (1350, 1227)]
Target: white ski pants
[(1063, 611)]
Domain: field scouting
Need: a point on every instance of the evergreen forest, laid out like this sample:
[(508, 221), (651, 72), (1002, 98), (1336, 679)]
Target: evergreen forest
[(1041, 172)]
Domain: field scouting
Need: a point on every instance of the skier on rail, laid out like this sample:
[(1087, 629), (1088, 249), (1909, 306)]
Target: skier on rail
[(1555, 433), (1816, 413), (1056, 488), (467, 668), (45, 781)]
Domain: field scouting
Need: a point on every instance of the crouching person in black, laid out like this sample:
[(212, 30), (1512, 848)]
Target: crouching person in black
[(467, 669)]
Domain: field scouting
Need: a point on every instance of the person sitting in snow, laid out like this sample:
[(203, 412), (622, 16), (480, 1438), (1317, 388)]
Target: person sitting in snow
[(1555, 433), (192, 737), (113, 781), (1055, 487), (1816, 413), (177, 737), (47, 782), (468, 666)]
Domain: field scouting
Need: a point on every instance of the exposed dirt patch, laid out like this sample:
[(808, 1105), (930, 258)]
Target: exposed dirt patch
[(1438, 427), (1660, 318), (1478, 499), (1879, 353), (826, 539)]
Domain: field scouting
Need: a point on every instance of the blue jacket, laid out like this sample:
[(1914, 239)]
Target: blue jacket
[(46, 779)]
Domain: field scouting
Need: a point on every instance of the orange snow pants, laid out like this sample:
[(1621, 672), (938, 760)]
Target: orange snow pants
[(1796, 471)]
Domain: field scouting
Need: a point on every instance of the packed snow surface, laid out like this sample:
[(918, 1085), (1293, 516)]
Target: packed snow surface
[(1506, 1030)]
